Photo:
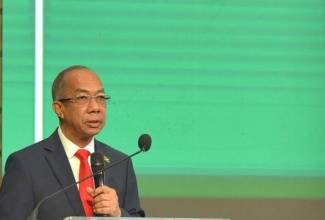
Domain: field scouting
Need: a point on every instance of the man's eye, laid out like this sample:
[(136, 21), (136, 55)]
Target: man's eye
[(101, 97), (83, 97)]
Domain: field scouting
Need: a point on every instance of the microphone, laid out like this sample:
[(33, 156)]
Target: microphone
[(97, 164), (144, 144)]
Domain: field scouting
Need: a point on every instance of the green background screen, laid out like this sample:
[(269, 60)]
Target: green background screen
[(231, 92)]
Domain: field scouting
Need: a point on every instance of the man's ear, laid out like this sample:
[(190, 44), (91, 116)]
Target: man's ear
[(57, 108)]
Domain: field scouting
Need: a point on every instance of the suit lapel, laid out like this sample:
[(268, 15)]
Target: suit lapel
[(57, 159)]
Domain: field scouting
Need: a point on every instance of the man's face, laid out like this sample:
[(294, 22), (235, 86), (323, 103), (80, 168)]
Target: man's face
[(81, 122)]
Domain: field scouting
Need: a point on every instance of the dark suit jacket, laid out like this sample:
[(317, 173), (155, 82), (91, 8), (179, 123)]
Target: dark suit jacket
[(42, 169)]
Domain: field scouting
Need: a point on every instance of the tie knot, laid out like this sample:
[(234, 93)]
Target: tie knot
[(82, 154)]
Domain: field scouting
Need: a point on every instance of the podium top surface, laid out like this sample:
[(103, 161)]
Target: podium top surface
[(137, 218)]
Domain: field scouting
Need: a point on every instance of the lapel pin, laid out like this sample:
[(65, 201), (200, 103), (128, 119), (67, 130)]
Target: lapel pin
[(106, 159)]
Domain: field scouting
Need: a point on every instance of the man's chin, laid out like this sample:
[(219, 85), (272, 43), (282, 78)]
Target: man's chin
[(94, 131)]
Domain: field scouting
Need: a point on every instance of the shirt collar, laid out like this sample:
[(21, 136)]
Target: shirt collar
[(71, 148)]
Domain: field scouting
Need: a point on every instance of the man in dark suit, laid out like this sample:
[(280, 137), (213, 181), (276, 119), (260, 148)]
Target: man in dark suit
[(33, 173)]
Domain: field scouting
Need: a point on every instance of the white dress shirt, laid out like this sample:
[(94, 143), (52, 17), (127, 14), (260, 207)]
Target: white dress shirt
[(71, 149)]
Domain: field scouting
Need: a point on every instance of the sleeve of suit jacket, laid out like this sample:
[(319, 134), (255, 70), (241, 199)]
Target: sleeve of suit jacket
[(16, 191), (131, 206)]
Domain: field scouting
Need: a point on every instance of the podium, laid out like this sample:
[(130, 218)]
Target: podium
[(137, 218)]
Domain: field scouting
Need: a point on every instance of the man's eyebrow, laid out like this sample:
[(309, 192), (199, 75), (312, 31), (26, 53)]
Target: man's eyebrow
[(79, 90)]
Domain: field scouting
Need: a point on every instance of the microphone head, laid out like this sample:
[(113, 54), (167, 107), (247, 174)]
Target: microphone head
[(144, 142), (97, 166), (97, 161)]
